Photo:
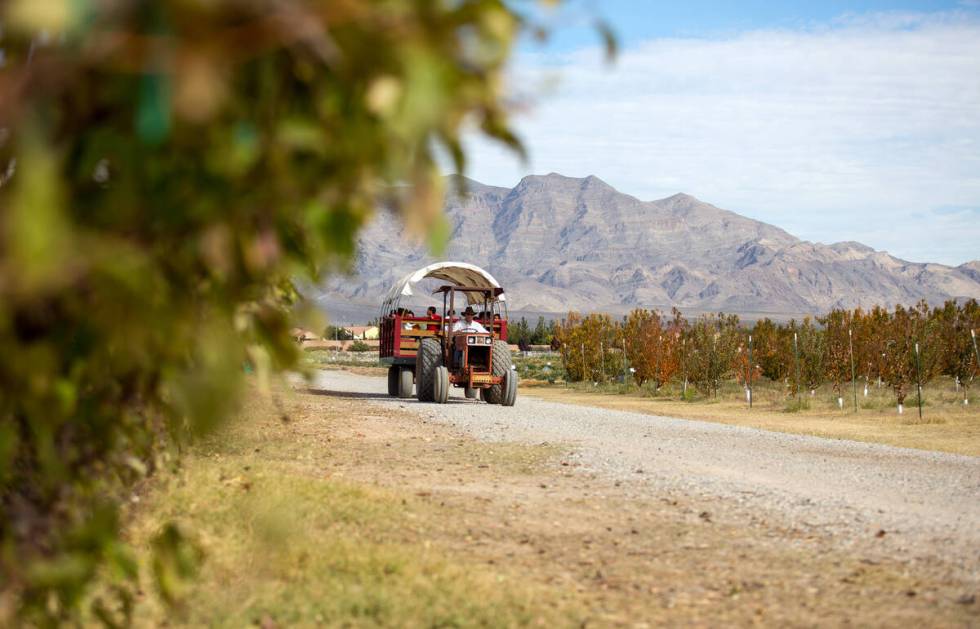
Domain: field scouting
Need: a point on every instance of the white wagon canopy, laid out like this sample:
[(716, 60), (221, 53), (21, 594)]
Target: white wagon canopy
[(455, 273)]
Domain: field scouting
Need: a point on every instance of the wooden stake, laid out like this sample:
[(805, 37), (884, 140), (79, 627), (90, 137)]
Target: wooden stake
[(918, 379)]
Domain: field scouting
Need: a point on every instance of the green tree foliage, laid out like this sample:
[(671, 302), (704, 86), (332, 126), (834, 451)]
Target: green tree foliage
[(337, 333), (360, 346), (542, 333), (811, 348), (177, 164), (711, 351), (588, 347), (518, 332), (769, 345)]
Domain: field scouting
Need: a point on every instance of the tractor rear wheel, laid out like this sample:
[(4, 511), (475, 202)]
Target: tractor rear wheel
[(428, 358), (405, 381), (500, 368), (440, 385), (393, 381)]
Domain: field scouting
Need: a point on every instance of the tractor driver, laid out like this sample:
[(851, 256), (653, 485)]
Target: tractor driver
[(464, 326), (468, 324)]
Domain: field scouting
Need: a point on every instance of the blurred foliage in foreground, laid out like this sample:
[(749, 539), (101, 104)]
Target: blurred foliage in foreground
[(174, 164)]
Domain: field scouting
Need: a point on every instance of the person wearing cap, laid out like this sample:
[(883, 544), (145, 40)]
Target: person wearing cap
[(467, 324)]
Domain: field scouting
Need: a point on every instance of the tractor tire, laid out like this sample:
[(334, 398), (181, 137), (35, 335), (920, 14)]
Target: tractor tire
[(510, 389), (470, 393), (428, 358), (500, 367), (393, 381), (406, 378), (440, 385)]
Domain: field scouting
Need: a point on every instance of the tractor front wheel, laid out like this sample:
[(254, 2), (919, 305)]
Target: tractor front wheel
[(440, 385), (501, 369), (510, 389), (470, 393)]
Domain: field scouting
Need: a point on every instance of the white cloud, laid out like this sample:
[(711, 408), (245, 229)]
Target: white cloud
[(859, 130)]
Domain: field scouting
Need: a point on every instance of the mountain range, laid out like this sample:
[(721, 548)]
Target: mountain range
[(558, 243)]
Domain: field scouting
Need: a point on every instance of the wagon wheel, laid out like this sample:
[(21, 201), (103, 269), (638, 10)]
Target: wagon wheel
[(393, 375), (405, 381)]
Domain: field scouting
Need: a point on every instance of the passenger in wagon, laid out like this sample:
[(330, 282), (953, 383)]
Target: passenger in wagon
[(433, 316), (408, 325)]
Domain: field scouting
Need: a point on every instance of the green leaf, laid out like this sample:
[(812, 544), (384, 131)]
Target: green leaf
[(154, 110), (38, 234)]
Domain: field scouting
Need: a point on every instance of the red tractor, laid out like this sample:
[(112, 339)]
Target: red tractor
[(439, 350)]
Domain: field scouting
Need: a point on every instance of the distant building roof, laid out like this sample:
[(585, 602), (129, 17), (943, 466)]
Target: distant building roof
[(363, 331), (304, 335)]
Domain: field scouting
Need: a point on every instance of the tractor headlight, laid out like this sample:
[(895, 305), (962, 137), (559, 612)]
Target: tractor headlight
[(470, 340), (487, 340)]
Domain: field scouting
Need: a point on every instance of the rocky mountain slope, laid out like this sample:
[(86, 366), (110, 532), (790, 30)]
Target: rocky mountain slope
[(558, 243)]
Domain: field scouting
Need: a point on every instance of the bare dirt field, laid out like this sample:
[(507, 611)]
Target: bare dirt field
[(356, 509), (800, 498)]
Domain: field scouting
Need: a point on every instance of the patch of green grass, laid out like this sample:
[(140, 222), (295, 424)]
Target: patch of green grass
[(545, 367)]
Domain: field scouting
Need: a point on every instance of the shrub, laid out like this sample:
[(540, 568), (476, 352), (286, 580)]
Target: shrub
[(165, 197)]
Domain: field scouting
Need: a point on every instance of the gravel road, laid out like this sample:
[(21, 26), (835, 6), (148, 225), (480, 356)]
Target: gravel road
[(914, 504)]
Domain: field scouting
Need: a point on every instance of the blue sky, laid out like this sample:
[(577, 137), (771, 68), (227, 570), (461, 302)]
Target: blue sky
[(636, 21), (833, 120)]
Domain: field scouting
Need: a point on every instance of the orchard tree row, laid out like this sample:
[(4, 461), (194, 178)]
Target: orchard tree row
[(898, 348)]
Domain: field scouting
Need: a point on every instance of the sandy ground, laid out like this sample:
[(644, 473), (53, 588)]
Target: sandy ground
[(886, 502), (538, 497)]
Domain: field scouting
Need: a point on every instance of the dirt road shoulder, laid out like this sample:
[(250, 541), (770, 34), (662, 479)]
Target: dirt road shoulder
[(957, 432), (374, 516)]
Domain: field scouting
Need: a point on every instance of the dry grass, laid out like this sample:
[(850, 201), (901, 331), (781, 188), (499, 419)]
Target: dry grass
[(350, 515), (947, 425), (289, 541)]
